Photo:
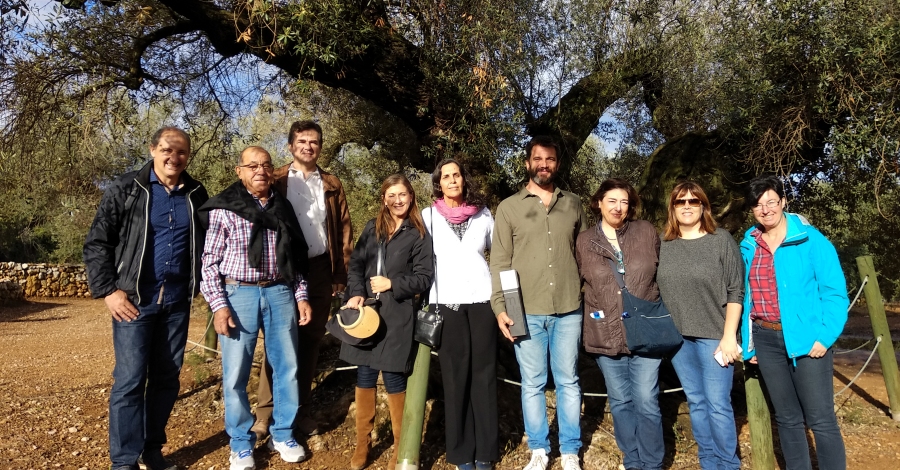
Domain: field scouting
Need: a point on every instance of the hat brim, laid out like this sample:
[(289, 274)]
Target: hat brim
[(364, 325)]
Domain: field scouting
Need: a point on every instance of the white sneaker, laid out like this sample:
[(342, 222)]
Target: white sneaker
[(569, 462), (290, 450), (242, 460), (539, 460)]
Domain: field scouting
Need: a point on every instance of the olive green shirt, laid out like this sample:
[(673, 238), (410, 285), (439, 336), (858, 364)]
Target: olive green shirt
[(539, 243)]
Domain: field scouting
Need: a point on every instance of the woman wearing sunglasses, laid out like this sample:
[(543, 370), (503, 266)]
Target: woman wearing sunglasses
[(701, 281), (789, 326)]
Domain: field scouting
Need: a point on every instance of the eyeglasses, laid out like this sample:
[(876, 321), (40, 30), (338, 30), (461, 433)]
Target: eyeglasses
[(768, 205), (267, 167), (693, 202)]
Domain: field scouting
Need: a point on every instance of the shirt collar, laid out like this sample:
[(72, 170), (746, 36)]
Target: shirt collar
[(294, 171), (155, 179)]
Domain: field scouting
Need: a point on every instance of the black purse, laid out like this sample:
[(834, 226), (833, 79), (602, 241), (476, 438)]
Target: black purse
[(649, 328), (429, 324)]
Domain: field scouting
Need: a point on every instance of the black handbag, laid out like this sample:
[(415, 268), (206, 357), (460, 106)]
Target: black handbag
[(429, 322), (429, 325), (649, 328)]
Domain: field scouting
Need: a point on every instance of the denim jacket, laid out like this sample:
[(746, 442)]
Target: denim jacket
[(812, 292)]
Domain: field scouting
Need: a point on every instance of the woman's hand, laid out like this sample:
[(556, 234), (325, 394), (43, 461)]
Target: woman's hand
[(729, 348), (817, 350), (355, 302), (380, 284)]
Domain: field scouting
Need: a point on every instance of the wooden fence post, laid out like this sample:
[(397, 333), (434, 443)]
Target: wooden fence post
[(880, 327), (211, 339), (414, 411), (761, 448)]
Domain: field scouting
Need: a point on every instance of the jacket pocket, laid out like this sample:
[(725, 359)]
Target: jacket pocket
[(604, 333)]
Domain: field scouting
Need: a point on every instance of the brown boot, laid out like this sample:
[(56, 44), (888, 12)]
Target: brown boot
[(395, 403), (365, 421)]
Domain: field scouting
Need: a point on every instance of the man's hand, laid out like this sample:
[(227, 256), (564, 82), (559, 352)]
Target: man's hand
[(504, 322), (380, 284), (304, 312), (223, 322), (817, 350), (121, 308)]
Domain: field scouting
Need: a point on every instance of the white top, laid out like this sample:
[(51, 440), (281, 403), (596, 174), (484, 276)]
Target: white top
[(462, 275), (307, 195)]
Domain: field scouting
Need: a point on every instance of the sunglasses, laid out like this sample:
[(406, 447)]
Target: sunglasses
[(693, 202)]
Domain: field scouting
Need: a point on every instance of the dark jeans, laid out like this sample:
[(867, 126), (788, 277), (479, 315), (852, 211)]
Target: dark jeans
[(149, 354), (367, 377), (468, 357), (800, 394)]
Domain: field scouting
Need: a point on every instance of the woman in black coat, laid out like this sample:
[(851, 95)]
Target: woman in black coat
[(408, 270)]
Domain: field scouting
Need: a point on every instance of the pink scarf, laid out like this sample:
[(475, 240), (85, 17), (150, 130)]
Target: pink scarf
[(455, 215)]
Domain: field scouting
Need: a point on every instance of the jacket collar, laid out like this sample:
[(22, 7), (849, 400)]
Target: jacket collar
[(143, 177), (795, 233), (329, 181), (599, 239)]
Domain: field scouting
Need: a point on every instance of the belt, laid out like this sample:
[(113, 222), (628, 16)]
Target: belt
[(769, 325), (264, 283)]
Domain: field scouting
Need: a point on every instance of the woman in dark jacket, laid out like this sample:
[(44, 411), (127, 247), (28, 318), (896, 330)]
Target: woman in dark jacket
[(631, 248), (407, 272)]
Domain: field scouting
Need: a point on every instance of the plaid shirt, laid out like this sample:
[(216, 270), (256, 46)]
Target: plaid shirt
[(763, 285), (225, 255)]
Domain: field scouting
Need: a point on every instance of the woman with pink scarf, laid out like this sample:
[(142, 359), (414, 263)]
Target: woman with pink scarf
[(461, 227)]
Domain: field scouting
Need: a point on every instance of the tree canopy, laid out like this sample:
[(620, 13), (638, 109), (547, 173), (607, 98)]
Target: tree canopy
[(716, 90)]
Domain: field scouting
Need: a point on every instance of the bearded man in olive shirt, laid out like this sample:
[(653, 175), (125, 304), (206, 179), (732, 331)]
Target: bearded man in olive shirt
[(534, 233)]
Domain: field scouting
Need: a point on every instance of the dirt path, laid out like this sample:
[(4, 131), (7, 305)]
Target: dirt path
[(55, 377)]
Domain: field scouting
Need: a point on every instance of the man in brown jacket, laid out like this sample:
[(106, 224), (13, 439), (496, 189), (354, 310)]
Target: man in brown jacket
[(321, 206)]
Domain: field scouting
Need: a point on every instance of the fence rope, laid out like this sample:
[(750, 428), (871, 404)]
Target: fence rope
[(864, 281), (872, 354), (604, 395)]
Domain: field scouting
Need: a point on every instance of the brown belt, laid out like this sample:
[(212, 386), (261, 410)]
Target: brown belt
[(265, 283), (769, 325)]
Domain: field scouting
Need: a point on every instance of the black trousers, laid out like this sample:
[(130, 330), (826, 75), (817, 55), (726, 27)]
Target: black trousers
[(468, 357)]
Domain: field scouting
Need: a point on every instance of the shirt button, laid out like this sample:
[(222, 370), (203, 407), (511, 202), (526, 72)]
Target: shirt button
[(551, 283), (551, 249), (619, 292), (550, 266)]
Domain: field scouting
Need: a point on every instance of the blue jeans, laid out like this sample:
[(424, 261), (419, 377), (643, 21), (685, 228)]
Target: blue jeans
[(800, 394), (707, 386), (367, 377), (273, 309), (632, 383), (560, 335), (149, 353)]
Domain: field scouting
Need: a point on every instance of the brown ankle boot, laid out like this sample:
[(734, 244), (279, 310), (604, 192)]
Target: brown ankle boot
[(395, 403), (365, 421)]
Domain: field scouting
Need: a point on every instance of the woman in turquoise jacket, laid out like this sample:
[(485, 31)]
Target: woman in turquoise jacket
[(794, 309)]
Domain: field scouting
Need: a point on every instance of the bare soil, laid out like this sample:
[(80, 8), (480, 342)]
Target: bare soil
[(55, 378)]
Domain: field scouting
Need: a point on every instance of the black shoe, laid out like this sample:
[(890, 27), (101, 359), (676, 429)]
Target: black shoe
[(155, 461)]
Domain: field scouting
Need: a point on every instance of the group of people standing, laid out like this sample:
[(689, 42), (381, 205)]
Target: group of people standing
[(271, 251)]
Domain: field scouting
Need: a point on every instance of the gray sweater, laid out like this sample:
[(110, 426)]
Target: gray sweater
[(697, 278)]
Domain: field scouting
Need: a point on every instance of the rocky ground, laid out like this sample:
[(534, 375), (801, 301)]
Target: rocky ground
[(55, 377)]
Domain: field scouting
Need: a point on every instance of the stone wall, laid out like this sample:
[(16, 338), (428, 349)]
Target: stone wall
[(42, 280)]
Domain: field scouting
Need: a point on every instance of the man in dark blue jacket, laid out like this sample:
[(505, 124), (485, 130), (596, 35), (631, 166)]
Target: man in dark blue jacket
[(142, 256)]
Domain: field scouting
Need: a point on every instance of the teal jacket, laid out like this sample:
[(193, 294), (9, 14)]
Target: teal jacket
[(812, 292)]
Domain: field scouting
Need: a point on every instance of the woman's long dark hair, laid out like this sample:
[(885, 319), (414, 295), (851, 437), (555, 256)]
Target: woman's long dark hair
[(384, 223), (471, 190)]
